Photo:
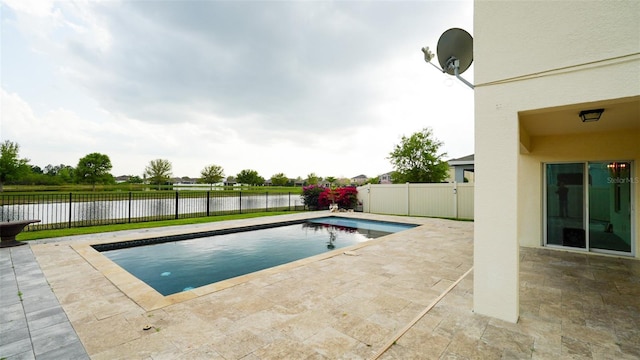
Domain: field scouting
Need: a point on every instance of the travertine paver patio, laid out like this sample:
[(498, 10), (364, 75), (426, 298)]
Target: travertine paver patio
[(351, 305)]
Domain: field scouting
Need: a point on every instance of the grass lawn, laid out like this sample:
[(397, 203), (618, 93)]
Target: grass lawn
[(46, 234)]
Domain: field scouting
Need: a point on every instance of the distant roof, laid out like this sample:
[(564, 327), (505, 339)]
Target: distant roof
[(465, 160)]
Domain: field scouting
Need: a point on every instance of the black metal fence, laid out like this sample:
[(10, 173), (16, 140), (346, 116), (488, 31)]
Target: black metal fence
[(79, 209)]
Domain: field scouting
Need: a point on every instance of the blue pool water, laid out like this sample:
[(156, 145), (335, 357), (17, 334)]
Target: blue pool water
[(175, 266)]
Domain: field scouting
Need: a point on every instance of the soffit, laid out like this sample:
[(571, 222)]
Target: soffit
[(619, 115)]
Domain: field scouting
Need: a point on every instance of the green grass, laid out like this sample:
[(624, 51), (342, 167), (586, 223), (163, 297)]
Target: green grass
[(46, 234)]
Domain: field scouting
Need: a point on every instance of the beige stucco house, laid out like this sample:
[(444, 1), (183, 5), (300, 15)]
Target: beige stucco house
[(359, 180), (543, 176), (461, 169)]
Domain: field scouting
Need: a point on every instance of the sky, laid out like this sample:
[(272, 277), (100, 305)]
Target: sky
[(293, 87)]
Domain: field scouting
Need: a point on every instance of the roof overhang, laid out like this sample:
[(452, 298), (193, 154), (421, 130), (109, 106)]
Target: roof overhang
[(619, 115)]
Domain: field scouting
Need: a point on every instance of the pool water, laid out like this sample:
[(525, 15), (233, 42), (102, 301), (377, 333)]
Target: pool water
[(172, 267)]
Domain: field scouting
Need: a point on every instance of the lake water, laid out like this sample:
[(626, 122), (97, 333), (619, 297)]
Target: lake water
[(63, 212)]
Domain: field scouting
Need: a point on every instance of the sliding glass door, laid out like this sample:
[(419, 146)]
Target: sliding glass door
[(588, 206), (565, 205), (610, 206)]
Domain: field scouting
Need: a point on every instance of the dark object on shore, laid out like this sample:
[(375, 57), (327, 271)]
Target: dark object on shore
[(9, 230)]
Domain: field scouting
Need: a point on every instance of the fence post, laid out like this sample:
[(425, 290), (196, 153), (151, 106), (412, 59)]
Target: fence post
[(266, 201), (240, 201), (176, 204), (208, 199), (408, 204), (130, 197), (70, 212), (289, 200), (455, 199)]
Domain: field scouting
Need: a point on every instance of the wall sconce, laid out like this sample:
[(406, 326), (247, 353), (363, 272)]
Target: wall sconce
[(591, 115)]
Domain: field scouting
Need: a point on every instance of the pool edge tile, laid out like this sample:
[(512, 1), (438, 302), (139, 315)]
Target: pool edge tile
[(149, 299)]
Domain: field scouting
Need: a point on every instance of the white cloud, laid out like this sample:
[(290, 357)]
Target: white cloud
[(293, 87), (34, 8)]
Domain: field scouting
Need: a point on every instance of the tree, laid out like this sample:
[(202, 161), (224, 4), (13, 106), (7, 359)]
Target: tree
[(313, 179), (279, 179), (331, 179), (249, 177), (416, 159), (62, 174), (373, 180), (212, 174), (311, 195), (94, 168), (11, 166), (134, 179), (158, 172), (342, 182), (67, 174)]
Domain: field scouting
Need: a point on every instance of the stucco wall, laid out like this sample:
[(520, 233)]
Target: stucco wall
[(515, 38), (536, 55)]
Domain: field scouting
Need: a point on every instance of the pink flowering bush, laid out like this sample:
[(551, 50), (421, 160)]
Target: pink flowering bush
[(310, 195), (345, 197)]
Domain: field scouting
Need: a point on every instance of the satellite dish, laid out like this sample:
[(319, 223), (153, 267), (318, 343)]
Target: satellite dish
[(455, 44)]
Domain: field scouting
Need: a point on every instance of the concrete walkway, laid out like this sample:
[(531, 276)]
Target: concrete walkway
[(33, 325), (346, 306)]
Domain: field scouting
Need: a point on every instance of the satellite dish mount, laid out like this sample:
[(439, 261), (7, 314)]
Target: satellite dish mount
[(455, 53)]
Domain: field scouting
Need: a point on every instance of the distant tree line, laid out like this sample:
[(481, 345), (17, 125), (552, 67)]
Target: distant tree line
[(94, 169), (416, 159)]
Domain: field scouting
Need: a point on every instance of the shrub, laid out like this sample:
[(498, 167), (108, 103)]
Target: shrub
[(310, 195), (345, 197)]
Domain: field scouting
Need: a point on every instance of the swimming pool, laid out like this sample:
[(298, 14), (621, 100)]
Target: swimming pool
[(178, 263)]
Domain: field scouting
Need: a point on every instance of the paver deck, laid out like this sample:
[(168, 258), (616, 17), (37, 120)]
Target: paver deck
[(351, 304), (33, 325)]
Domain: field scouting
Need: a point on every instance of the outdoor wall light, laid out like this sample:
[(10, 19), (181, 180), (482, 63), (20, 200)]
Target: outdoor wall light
[(591, 115)]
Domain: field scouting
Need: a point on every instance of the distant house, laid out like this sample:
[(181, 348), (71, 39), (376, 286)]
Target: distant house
[(122, 179), (359, 180), (230, 181), (185, 180), (385, 178), (461, 168)]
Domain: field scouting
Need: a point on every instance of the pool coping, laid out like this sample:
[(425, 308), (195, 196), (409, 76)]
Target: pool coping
[(150, 299)]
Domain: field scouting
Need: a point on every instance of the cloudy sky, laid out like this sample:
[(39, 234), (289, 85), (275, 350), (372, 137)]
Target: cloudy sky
[(274, 86)]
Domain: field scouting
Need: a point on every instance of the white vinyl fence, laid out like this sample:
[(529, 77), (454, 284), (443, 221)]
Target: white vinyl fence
[(451, 200)]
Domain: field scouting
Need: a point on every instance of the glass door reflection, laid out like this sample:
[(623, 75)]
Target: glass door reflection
[(610, 206), (565, 205)]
